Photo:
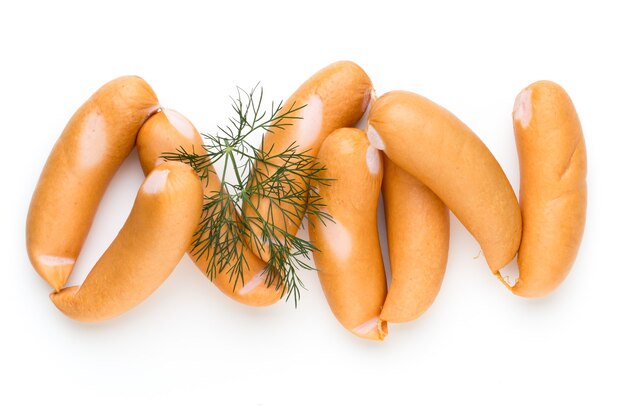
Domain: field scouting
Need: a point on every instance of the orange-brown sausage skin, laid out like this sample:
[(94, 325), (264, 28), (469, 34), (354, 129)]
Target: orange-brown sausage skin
[(349, 261), (93, 145), (553, 187), (418, 235), (334, 97), (434, 146), (145, 252), (168, 131)]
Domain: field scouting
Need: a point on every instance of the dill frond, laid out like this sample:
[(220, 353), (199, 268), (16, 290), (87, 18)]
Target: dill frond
[(225, 230)]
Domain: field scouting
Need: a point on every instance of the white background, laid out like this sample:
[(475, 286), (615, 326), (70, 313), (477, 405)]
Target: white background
[(188, 350)]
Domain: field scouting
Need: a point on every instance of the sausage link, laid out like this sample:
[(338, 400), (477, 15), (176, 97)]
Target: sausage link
[(92, 146), (146, 250), (553, 187), (349, 261), (418, 235), (435, 147)]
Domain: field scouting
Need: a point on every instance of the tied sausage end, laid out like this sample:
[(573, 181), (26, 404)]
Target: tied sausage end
[(373, 329)]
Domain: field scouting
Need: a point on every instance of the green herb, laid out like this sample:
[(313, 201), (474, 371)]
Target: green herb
[(225, 229)]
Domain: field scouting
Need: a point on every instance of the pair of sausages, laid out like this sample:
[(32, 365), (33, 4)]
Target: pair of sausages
[(95, 142), (169, 131), (433, 161), (349, 260)]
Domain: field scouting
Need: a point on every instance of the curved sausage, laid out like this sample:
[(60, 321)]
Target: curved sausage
[(418, 234), (168, 131), (435, 147), (146, 250), (349, 261), (93, 145), (553, 187), (335, 97)]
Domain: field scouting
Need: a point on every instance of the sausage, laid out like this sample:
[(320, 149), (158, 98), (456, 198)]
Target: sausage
[(95, 142), (435, 147), (146, 250), (335, 97), (553, 188), (418, 234), (168, 131), (349, 260)]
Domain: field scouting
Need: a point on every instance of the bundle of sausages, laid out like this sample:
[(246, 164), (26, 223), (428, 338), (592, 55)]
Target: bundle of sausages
[(424, 159)]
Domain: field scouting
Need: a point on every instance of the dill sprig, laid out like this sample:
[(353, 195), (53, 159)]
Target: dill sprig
[(282, 178)]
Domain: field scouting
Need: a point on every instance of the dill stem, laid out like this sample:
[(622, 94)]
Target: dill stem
[(235, 167)]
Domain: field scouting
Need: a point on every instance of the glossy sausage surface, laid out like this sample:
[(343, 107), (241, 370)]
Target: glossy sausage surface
[(95, 142), (434, 146), (168, 131), (553, 187), (418, 235), (349, 261), (146, 250), (335, 97)]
